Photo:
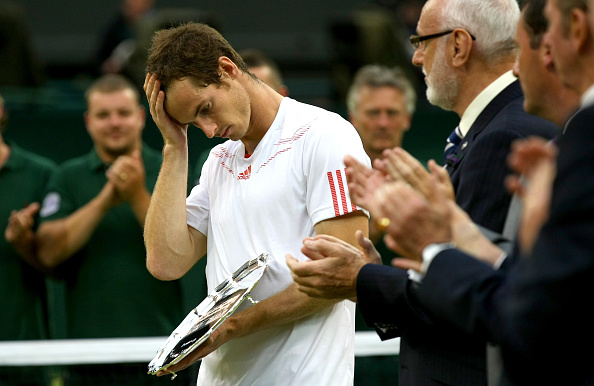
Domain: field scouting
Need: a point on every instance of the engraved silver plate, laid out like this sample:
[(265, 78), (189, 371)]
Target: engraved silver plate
[(209, 314)]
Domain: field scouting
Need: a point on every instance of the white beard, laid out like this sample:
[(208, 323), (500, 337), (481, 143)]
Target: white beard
[(442, 85)]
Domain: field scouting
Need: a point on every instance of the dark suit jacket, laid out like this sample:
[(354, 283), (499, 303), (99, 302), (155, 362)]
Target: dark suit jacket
[(536, 310), (481, 168), (433, 353)]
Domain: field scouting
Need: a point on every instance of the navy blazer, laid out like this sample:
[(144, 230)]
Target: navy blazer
[(481, 168), (536, 310), (436, 353)]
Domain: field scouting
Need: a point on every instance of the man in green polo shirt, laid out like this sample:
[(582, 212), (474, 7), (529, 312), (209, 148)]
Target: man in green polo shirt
[(91, 235), (23, 180)]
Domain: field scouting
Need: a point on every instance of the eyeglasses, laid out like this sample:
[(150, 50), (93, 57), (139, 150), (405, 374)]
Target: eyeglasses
[(417, 40)]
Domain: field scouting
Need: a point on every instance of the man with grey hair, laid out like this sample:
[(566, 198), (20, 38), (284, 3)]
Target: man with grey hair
[(381, 102), (467, 52)]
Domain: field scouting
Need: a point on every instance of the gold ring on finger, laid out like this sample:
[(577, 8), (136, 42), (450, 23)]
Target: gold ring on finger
[(383, 223), (123, 176)]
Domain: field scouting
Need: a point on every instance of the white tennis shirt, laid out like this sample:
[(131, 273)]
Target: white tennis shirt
[(268, 203)]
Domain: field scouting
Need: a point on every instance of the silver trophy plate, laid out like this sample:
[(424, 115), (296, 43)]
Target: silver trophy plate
[(209, 314)]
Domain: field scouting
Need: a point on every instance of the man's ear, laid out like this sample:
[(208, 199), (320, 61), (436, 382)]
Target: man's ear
[(228, 68), (579, 29), (547, 57), (461, 47)]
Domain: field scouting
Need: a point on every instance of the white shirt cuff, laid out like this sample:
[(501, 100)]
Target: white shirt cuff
[(500, 260), (429, 254)]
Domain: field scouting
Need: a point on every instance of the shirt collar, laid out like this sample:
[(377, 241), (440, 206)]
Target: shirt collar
[(15, 158), (483, 99), (588, 97)]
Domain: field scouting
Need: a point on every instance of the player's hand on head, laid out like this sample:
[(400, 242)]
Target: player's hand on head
[(173, 132)]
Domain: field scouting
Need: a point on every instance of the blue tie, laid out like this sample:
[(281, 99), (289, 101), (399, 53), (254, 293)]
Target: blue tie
[(452, 144)]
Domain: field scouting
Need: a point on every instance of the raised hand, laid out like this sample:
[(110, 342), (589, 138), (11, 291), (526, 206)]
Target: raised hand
[(415, 221), (19, 233), (363, 182), (401, 166), (128, 176), (534, 161), (20, 224), (173, 132)]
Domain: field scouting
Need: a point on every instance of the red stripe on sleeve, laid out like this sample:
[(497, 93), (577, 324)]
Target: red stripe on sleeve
[(345, 207), (333, 191), (352, 203)]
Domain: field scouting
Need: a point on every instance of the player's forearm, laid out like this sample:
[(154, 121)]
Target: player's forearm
[(58, 240), (167, 238), (285, 307)]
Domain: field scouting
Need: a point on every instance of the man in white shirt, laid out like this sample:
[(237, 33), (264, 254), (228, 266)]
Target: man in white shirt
[(280, 179)]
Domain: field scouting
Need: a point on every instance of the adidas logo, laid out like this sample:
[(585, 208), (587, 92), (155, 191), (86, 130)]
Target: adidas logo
[(245, 175)]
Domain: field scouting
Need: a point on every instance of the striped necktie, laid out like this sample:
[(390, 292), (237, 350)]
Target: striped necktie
[(452, 144)]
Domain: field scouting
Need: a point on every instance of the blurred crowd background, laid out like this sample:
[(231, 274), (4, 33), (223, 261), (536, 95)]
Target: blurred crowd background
[(50, 52)]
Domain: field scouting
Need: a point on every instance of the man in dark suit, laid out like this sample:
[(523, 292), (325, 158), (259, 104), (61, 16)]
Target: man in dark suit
[(534, 309), (468, 70)]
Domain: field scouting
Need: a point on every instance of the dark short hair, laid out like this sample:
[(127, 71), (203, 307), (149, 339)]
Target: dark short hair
[(111, 83), (190, 50), (534, 20)]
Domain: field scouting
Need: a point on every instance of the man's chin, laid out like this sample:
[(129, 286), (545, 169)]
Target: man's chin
[(116, 151)]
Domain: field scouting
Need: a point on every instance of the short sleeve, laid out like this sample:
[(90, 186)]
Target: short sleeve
[(329, 141), (198, 203), (58, 202)]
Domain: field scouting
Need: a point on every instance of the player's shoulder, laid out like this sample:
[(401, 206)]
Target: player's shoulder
[(317, 120)]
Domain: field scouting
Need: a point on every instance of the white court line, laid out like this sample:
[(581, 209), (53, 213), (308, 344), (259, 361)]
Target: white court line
[(132, 350)]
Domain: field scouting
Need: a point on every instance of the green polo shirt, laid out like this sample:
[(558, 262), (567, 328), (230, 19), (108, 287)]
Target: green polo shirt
[(23, 180), (109, 292)]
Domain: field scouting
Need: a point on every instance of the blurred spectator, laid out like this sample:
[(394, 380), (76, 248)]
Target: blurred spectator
[(118, 40), (381, 102), (266, 69), (19, 65), (91, 235), (23, 180)]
